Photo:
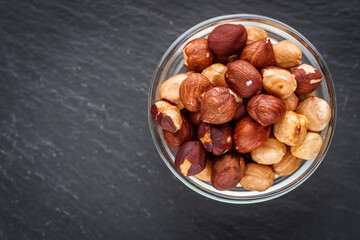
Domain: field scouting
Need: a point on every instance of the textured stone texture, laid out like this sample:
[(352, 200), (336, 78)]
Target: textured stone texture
[(76, 156)]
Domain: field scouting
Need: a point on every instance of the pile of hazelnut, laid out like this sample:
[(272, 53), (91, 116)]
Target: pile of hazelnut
[(244, 112)]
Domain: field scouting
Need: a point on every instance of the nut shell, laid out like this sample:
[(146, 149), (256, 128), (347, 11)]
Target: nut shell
[(260, 54), (255, 34), (307, 78), (287, 54), (309, 148), (170, 89), (197, 55), (270, 152), (216, 139), (216, 74), (190, 159), (288, 164), (186, 133), (278, 82), (166, 116), (257, 177)]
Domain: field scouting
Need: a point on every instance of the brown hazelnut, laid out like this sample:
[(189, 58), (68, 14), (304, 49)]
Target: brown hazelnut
[(227, 39), (270, 152), (288, 164), (186, 133), (216, 74), (169, 89), (216, 139), (266, 109), (226, 60), (243, 78), (278, 82), (254, 34), (232, 58), (287, 54), (195, 118), (166, 116), (260, 54), (227, 171), (307, 78), (205, 175), (191, 90), (240, 111), (218, 106), (291, 102), (317, 111), (249, 135), (292, 129), (257, 177), (304, 96), (190, 159), (309, 148), (197, 55)]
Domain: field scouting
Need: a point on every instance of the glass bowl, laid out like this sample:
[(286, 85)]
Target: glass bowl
[(171, 64)]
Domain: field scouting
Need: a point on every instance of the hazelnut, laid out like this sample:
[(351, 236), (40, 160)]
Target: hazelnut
[(218, 106), (249, 135), (304, 96), (216, 74), (270, 152), (243, 78), (257, 177), (190, 159), (216, 139), (309, 148), (227, 39), (195, 118), (240, 111), (227, 171), (226, 59), (205, 175), (278, 82), (191, 90), (232, 58), (238, 99), (287, 54), (186, 133), (266, 109), (307, 78), (291, 102), (166, 116), (197, 55), (288, 164), (260, 54), (254, 34), (169, 89), (292, 129), (317, 111)]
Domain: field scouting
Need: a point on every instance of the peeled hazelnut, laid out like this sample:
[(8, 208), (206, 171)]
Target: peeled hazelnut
[(205, 175), (243, 78), (170, 89), (309, 148), (292, 129), (227, 171), (216, 74), (307, 78), (278, 82), (166, 116), (317, 111), (260, 54), (270, 152), (186, 133), (195, 118), (287, 54), (266, 109), (197, 55), (240, 111), (304, 96), (218, 106), (190, 159), (227, 39), (191, 90), (257, 177), (254, 34), (249, 135), (288, 164), (216, 139), (291, 102)]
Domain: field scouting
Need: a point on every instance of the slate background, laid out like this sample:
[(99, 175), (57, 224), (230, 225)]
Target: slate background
[(76, 156)]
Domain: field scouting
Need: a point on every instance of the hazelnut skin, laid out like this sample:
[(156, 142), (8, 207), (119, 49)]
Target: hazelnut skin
[(227, 39), (195, 118), (190, 159), (216, 74), (197, 55), (243, 78), (278, 82), (292, 129), (304, 96), (169, 89), (266, 109), (270, 152), (255, 34), (227, 171), (216, 139), (218, 106), (205, 175), (260, 54), (307, 78), (240, 111), (257, 177), (317, 111), (186, 133), (166, 116), (191, 90), (288, 164), (291, 102), (309, 148), (249, 135), (287, 54)]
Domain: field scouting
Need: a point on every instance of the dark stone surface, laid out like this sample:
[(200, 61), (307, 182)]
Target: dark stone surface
[(76, 156)]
